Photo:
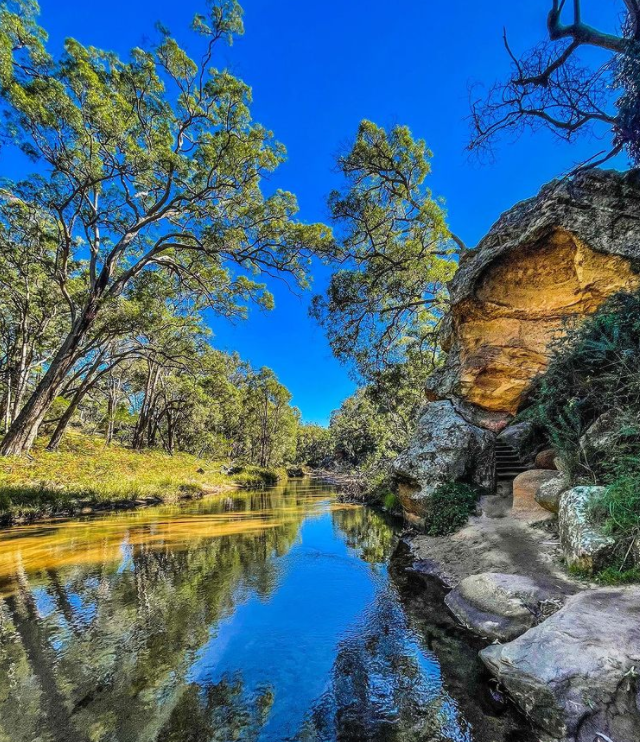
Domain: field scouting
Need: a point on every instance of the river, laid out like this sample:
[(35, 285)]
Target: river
[(255, 616)]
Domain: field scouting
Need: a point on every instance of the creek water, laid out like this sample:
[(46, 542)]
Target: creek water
[(254, 616)]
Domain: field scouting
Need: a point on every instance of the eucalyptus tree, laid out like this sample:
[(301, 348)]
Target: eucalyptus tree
[(269, 423), (32, 313), (559, 86), (152, 163), (396, 251)]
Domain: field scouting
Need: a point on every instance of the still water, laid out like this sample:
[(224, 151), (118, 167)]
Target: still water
[(265, 616)]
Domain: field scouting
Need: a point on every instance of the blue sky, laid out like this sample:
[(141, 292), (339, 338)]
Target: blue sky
[(317, 69)]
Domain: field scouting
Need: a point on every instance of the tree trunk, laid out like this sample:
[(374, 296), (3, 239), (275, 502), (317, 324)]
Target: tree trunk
[(111, 412), (144, 431), (24, 429), (64, 421)]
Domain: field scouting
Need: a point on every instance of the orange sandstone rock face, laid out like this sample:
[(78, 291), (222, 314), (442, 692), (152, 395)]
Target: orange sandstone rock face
[(549, 260), (520, 303)]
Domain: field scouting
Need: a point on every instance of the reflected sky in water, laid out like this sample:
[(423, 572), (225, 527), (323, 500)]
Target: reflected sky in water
[(257, 616)]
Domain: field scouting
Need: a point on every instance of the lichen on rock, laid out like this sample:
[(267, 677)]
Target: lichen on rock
[(444, 448), (584, 544), (575, 675)]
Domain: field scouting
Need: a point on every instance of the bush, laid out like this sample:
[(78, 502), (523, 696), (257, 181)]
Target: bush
[(594, 368), (450, 507), (595, 371), (391, 503)]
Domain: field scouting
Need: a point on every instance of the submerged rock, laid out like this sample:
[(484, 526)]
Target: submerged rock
[(501, 606), (584, 544), (444, 448), (576, 674)]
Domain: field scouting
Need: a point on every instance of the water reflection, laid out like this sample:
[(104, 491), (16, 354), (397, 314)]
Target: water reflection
[(261, 616)]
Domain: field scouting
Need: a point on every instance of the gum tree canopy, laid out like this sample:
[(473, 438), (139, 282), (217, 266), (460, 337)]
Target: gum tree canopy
[(148, 164), (557, 87), (396, 253)]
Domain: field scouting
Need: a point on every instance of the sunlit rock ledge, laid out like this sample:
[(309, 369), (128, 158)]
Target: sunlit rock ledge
[(546, 263), (548, 260)]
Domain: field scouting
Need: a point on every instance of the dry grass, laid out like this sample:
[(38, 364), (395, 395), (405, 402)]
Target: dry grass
[(85, 472)]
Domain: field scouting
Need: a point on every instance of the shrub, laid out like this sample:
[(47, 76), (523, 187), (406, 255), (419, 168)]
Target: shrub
[(450, 507), (391, 502), (594, 368)]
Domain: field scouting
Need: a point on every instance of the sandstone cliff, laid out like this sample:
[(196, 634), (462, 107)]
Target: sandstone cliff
[(548, 260)]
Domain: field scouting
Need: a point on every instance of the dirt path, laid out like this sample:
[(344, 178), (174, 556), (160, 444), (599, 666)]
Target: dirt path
[(495, 542)]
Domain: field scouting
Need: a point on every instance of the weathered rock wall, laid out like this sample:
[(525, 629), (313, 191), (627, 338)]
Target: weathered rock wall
[(548, 261)]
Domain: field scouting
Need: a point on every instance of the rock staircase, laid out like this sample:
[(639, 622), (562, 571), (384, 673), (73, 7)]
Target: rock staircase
[(508, 463)]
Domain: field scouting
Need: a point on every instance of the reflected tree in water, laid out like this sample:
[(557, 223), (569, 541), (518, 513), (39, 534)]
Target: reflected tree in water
[(382, 689), (219, 712), (103, 651)]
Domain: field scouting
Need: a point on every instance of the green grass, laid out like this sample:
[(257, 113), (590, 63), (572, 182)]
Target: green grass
[(86, 472)]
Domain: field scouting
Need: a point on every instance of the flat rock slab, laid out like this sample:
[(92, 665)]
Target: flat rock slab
[(500, 545), (502, 606), (576, 674)]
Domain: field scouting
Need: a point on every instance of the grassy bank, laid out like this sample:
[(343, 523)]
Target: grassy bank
[(86, 475)]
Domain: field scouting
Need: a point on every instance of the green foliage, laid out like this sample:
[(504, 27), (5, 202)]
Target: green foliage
[(359, 432), (449, 508), (313, 446), (594, 375), (595, 369), (391, 502), (615, 576), (617, 509), (395, 248), (150, 171)]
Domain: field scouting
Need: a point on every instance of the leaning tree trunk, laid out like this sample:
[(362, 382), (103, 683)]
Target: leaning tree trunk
[(64, 421), (24, 429)]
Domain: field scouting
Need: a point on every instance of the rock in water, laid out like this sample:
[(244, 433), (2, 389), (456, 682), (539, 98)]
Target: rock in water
[(444, 448), (500, 606), (576, 674), (584, 544)]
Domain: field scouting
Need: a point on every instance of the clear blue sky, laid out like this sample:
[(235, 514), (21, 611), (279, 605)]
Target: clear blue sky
[(317, 69)]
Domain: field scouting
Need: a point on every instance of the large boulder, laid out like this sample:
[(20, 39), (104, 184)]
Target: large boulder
[(602, 433), (584, 544), (550, 491), (553, 257), (525, 491), (444, 448), (575, 675), (501, 606)]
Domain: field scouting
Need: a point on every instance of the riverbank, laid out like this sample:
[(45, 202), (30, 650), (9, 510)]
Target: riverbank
[(564, 649), (85, 476)]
